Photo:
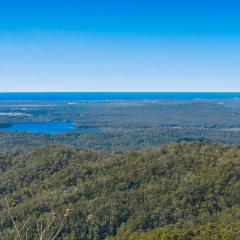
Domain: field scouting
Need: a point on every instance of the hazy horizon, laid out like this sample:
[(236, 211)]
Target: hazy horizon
[(213, 92), (127, 46)]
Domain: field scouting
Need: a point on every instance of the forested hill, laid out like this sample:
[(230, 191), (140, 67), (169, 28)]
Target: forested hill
[(177, 191)]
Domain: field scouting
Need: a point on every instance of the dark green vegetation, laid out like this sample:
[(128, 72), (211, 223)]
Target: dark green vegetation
[(182, 191), (127, 114), (118, 140), (125, 124)]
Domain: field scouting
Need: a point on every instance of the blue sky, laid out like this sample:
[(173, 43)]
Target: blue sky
[(119, 45)]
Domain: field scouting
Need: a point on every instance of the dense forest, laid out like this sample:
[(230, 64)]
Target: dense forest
[(111, 115), (124, 125), (176, 191), (132, 139)]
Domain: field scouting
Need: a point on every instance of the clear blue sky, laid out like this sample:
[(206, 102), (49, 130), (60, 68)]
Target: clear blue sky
[(127, 45)]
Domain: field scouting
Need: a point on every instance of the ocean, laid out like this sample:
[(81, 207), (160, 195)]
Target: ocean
[(104, 96)]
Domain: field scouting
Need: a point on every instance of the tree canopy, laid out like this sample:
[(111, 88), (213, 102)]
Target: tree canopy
[(176, 191)]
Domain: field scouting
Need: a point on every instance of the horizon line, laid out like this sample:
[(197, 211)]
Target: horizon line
[(10, 92)]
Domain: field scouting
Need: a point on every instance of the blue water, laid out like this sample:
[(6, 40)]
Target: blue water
[(47, 127), (118, 96)]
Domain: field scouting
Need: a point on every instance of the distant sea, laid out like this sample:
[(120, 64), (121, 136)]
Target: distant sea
[(104, 96)]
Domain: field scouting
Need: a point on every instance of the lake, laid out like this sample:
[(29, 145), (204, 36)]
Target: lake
[(47, 127)]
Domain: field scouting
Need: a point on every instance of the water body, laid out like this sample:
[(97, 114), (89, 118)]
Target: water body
[(87, 96), (47, 127)]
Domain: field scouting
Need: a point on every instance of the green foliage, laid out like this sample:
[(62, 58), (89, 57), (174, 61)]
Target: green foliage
[(127, 125), (182, 191), (224, 227)]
